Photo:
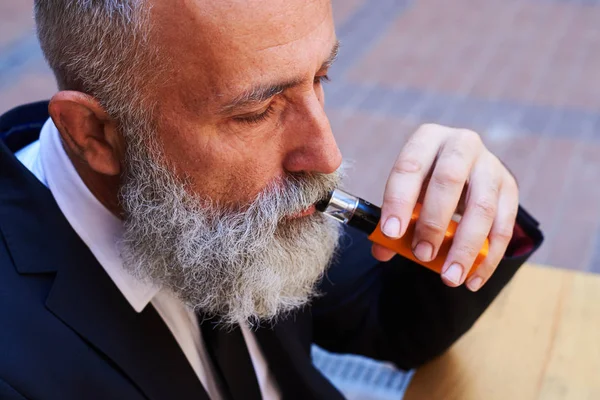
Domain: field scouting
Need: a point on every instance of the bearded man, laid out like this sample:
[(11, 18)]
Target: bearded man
[(158, 234)]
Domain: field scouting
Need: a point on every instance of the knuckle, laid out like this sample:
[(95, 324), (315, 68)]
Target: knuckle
[(407, 165), (466, 252), (485, 207), (449, 177), (457, 154), (503, 234), (469, 136), (395, 201), (430, 228), (428, 127)]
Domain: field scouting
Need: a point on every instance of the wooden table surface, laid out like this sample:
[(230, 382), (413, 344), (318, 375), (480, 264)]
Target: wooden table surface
[(540, 339)]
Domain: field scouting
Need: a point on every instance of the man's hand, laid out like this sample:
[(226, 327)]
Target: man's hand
[(448, 170)]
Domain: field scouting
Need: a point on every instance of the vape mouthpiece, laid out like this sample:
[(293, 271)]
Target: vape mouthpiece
[(322, 204), (350, 210)]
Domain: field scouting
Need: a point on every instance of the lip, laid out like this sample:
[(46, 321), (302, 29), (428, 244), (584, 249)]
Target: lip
[(305, 213)]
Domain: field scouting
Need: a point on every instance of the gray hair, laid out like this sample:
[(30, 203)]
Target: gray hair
[(99, 47)]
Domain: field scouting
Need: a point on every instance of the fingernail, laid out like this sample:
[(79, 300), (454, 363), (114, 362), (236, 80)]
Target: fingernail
[(454, 273), (474, 284), (424, 251), (391, 228)]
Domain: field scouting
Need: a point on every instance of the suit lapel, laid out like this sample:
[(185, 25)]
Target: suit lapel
[(40, 240), (141, 345)]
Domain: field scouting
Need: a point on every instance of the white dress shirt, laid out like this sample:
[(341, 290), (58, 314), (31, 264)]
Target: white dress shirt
[(100, 230)]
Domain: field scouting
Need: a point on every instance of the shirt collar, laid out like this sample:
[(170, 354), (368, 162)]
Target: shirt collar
[(99, 229)]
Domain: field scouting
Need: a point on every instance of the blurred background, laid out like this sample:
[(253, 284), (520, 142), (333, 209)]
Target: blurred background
[(522, 73)]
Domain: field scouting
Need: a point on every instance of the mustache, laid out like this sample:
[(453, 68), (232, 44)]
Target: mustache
[(284, 196), (298, 191)]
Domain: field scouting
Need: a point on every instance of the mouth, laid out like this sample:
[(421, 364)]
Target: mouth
[(304, 213)]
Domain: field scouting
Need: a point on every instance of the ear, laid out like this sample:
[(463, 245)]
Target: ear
[(88, 131)]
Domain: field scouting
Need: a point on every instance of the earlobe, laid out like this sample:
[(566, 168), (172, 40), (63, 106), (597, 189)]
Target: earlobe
[(87, 131)]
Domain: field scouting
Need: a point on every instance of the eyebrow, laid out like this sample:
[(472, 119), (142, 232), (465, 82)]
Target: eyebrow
[(332, 56), (261, 93)]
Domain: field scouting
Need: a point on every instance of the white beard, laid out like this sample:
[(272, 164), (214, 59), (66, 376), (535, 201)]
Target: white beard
[(242, 265)]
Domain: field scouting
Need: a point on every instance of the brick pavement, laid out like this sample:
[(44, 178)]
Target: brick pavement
[(521, 72)]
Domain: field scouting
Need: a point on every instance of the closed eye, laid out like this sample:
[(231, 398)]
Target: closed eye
[(263, 116), (322, 79), (255, 118)]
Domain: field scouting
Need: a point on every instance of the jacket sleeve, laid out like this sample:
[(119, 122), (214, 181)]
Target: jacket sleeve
[(399, 311)]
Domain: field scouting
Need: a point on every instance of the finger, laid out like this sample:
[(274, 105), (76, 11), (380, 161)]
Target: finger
[(448, 180), (406, 179), (476, 223), (381, 253), (500, 235)]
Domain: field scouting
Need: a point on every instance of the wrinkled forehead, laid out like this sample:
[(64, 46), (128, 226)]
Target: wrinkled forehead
[(225, 41)]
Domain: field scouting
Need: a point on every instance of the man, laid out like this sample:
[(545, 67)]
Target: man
[(158, 241)]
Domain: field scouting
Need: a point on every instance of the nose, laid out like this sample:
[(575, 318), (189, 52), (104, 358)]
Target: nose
[(311, 146)]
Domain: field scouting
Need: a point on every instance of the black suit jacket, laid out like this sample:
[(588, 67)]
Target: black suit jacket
[(67, 333)]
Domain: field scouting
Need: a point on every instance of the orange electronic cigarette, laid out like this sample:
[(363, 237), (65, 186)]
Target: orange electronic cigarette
[(361, 214)]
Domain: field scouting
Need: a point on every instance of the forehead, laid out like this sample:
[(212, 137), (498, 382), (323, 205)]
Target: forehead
[(258, 24), (228, 44)]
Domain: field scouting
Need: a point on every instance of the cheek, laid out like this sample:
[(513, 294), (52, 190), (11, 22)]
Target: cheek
[(223, 168)]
